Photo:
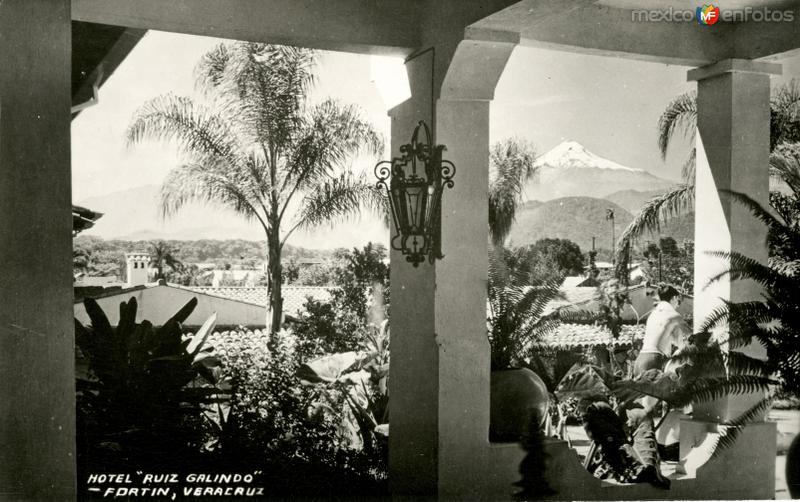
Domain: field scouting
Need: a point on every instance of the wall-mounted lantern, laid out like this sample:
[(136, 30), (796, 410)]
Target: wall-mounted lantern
[(415, 183)]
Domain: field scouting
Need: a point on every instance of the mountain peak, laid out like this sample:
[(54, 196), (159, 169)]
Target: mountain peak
[(572, 154)]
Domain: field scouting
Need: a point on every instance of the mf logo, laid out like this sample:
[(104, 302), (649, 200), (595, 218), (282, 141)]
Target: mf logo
[(707, 14)]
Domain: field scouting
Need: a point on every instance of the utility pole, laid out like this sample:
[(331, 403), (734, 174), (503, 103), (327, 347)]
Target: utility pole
[(610, 217), (593, 272)]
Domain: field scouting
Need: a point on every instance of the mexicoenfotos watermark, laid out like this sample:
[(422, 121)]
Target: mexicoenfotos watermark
[(710, 14)]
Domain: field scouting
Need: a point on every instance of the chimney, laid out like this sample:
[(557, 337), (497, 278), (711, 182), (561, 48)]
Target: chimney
[(137, 268)]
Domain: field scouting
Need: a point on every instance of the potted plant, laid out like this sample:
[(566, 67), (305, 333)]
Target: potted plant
[(516, 320)]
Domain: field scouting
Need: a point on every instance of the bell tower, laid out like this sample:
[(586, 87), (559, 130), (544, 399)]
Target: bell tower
[(136, 268)]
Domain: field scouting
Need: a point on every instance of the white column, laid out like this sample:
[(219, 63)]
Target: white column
[(439, 384), (37, 378), (732, 154), (413, 385), (462, 125)]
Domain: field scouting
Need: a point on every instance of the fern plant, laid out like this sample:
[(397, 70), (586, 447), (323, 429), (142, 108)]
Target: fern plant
[(516, 313), (773, 322)]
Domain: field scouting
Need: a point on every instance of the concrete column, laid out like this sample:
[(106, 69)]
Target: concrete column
[(37, 425), (732, 154), (439, 385), (413, 386), (462, 124)]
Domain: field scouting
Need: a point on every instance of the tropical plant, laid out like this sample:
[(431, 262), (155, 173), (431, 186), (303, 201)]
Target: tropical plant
[(362, 378), (162, 255), (516, 313), (136, 401), (511, 164), (259, 147), (680, 116), (772, 322)]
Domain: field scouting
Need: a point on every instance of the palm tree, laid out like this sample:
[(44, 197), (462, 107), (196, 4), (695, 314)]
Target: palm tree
[(258, 146), (680, 116), (161, 255), (511, 164)]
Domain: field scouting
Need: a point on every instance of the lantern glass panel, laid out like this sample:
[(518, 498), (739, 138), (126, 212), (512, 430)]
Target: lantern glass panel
[(416, 205)]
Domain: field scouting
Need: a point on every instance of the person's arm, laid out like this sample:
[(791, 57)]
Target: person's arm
[(679, 335)]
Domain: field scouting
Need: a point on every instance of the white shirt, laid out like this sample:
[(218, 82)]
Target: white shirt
[(665, 328)]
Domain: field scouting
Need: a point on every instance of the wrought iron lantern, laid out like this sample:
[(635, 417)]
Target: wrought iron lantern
[(414, 183)]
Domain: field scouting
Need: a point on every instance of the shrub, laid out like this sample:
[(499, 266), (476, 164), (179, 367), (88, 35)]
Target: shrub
[(274, 420)]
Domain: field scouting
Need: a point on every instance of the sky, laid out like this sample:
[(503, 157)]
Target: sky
[(611, 106)]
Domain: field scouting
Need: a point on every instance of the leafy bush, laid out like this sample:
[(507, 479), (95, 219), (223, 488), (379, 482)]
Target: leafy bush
[(135, 407), (360, 299), (274, 420)]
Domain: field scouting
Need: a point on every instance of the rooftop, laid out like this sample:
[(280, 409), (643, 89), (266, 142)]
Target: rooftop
[(294, 297), (570, 335)]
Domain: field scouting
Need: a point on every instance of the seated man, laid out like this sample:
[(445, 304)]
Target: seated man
[(617, 455)]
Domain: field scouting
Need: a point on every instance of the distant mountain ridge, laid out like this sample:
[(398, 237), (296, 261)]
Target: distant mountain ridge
[(134, 215), (633, 200), (575, 218)]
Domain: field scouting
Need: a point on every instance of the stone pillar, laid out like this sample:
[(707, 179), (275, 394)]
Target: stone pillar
[(462, 124), (439, 385), (732, 154), (413, 385), (37, 426)]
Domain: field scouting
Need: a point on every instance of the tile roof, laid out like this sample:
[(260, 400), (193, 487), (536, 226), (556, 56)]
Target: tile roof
[(570, 335), (294, 297)]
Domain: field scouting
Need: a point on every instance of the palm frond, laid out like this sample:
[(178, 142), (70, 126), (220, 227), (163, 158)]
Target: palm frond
[(784, 267), (328, 137), (272, 83), (739, 363), (756, 310), (200, 133), (704, 389), (336, 199), (743, 267), (658, 210), (516, 319), (784, 165), (777, 228), (680, 115), (194, 182), (210, 70), (578, 316), (730, 431), (511, 164), (689, 167)]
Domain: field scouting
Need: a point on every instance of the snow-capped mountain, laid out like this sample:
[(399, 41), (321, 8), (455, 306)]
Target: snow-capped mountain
[(570, 170)]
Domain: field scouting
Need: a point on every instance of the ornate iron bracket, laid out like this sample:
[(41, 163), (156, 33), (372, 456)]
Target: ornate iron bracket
[(414, 183)]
